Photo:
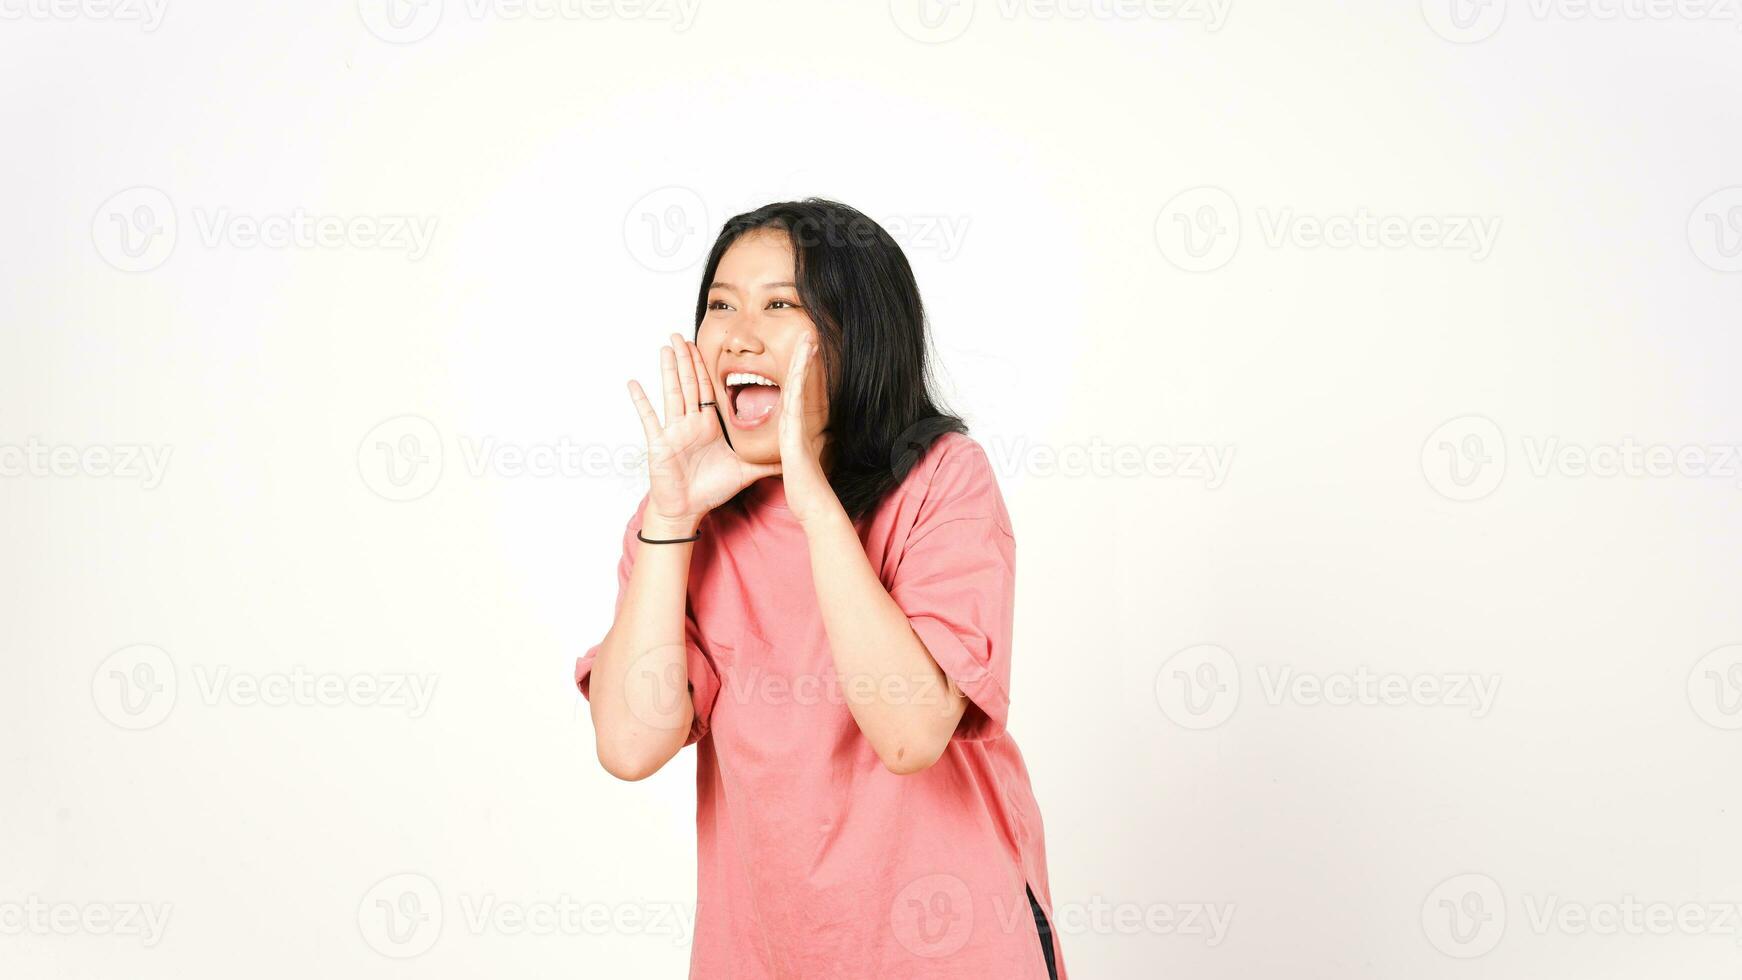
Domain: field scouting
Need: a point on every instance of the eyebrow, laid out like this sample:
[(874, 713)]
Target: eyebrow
[(766, 285)]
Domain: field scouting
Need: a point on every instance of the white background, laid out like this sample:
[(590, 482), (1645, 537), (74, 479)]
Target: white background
[(1405, 423)]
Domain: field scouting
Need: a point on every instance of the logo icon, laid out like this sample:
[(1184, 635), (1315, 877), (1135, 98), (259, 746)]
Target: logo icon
[(400, 21), (659, 676), (1198, 687), (932, 21), (401, 917), (1715, 688), (1464, 21), (134, 230), (401, 459), (933, 916), (1715, 230), (1198, 230), (1464, 459), (667, 229), (135, 687), (1464, 916)]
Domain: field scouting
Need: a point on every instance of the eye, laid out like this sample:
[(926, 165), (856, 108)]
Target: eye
[(782, 303), (718, 304)]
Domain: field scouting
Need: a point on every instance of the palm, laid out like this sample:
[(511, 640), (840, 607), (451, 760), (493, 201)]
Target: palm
[(690, 468), (801, 440)]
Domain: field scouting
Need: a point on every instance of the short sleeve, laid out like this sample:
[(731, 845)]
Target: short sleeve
[(704, 681), (956, 582)]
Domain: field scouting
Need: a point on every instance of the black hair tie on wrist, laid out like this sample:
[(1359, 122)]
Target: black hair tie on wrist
[(692, 537)]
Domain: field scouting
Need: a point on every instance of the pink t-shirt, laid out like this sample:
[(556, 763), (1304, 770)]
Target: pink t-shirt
[(814, 861)]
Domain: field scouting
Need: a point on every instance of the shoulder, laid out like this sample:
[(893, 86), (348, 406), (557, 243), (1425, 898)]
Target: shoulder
[(955, 479), (954, 462)]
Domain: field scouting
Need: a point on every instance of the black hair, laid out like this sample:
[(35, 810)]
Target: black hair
[(856, 285)]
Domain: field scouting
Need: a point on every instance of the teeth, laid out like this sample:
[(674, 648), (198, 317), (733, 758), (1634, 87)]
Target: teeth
[(746, 378)]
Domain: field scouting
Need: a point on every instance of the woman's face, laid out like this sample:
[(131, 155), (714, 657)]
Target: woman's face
[(753, 324)]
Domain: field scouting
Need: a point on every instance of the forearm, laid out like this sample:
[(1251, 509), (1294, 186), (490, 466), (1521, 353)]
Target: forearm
[(898, 695), (639, 696)]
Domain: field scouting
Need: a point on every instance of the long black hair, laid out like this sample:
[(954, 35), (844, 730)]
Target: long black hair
[(856, 285)]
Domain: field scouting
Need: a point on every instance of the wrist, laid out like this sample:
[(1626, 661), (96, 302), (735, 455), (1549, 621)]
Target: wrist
[(657, 526), (830, 517)]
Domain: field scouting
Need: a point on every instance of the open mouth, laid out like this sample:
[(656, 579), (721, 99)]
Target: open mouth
[(754, 398)]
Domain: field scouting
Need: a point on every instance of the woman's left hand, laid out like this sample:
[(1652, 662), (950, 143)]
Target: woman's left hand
[(802, 420)]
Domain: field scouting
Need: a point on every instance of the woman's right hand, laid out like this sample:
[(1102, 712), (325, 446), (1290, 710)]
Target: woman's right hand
[(690, 468)]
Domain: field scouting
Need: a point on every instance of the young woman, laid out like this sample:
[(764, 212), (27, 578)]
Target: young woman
[(816, 591)]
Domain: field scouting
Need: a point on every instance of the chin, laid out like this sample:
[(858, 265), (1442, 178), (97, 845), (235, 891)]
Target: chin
[(755, 449)]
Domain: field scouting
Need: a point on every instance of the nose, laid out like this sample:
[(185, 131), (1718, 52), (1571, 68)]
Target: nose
[(742, 336)]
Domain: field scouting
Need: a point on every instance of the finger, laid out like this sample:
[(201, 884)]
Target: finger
[(792, 396), (704, 380), (686, 372), (674, 409), (644, 408), (812, 403)]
